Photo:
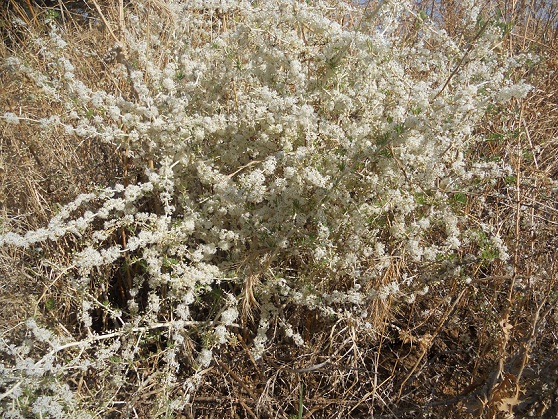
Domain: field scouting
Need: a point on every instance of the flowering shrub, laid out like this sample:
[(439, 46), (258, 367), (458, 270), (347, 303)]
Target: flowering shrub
[(283, 156)]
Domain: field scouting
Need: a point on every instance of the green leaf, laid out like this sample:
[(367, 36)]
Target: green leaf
[(460, 198), (49, 304)]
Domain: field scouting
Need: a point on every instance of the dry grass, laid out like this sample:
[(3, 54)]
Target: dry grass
[(464, 350)]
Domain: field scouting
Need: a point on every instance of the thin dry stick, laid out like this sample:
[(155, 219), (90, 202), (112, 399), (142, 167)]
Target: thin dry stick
[(505, 319), (105, 21), (121, 19), (375, 385), (238, 380), (244, 386), (460, 63), (148, 35), (22, 13), (504, 322), (247, 408), (249, 354), (529, 341), (62, 7), (528, 135), (431, 340), (241, 168), (517, 215)]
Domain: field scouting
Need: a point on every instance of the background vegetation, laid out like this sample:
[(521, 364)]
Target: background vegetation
[(480, 342)]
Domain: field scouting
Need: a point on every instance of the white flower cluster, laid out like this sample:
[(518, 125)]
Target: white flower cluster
[(517, 91), (283, 134)]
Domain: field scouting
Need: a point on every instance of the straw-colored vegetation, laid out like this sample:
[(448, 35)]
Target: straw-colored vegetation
[(261, 235)]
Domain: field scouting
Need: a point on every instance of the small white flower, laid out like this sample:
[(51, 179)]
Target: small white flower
[(518, 91), (168, 84), (204, 358), (229, 316), (221, 334), (11, 118), (319, 253)]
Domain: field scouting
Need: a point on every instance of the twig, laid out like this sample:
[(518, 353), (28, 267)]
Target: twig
[(244, 386), (241, 168), (431, 340), (105, 21), (460, 63), (238, 380), (247, 408), (312, 367)]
